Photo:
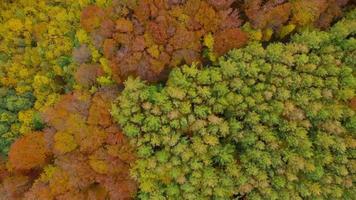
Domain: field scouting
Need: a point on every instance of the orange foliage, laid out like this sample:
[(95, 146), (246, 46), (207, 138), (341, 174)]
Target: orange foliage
[(13, 187), (93, 164), (77, 103), (91, 17), (333, 9), (228, 39), (353, 103), (124, 25), (28, 152), (98, 111), (86, 74), (158, 30), (269, 16), (156, 35), (3, 170)]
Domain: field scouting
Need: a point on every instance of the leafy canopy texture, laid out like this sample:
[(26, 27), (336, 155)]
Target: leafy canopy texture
[(11, 104), (36, 42), (80, 155), (263, 123), (275, 14), (28, 152), (148, 37), (43, 42)]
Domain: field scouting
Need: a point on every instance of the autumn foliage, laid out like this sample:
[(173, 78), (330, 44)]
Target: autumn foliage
[(28, 152), (149, 37), (36, 42), (216, 99), (275, 14), (80, 155)]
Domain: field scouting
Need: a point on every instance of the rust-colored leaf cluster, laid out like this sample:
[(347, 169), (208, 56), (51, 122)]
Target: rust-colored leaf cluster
[(28, 152), (353, 103), (146, 39), (276, 13), (81, 155), (86, 74)]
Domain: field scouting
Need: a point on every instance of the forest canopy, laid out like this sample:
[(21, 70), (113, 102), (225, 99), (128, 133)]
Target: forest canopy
[(177, 99)]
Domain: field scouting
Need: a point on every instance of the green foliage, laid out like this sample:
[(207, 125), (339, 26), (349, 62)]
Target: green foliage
[(37, 121), (10, 105), (271, 123)]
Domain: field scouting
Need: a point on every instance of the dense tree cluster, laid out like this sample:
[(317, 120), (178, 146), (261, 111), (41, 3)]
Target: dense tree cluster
[(80, 155), (10, 106), (146, 37), (283, 16), (263, 123), (37, 38), (87, 112), (42, 42), (36, 42)]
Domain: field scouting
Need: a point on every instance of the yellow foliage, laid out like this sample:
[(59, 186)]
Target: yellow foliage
[(209, 41), (82, 36), (58, 70), (253, 34), (83, 3), (305, 12), (256, 35), (286, 30), (148, 39), (94, 53), (211, 140), (40, 81), (15, 24), (23, 88), (93, 89), (44, 88), (46, 101), (212, 57), (59, 182), (104, 80), (25, 117), (315, 189), (15, 128), (34, 36), (154, 51), (267, 34), (105, 65), (48, 173), (64, 142), (97, 165)]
